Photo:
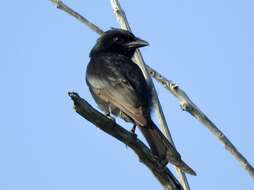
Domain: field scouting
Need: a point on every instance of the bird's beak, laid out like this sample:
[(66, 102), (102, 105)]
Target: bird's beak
[(137, 43)]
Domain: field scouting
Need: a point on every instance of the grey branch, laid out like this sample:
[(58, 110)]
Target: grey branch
[(60, 5), (163, 175), (123, 22), (179, 94), (187, 105)]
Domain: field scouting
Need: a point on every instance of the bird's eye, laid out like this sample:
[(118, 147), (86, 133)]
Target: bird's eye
[(117, 39)]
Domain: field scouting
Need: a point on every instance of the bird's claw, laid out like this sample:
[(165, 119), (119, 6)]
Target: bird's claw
[(110, 117), (133, 129)]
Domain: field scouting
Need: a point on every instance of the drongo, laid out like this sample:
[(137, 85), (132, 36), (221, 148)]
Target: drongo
[(118, 86)]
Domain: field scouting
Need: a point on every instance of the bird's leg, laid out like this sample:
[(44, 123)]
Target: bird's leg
[(133, 129), (108, 114), (133, 134)]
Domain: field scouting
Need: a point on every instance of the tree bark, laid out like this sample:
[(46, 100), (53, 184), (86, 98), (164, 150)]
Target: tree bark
[(185, 101), (162, 173)]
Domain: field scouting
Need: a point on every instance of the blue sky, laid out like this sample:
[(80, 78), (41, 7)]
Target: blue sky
[(206, 47)]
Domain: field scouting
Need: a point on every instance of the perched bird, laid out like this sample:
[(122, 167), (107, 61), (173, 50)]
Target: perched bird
[(118, 86)]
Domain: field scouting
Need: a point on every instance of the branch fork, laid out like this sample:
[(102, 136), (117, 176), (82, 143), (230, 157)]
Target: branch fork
[(185, 102)]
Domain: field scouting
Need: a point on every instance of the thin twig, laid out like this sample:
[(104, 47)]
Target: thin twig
[(163, 175), (60, 5), (123, 22), (169, 85)]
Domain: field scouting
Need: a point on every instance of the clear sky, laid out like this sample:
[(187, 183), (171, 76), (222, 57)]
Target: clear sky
[(206, 47)]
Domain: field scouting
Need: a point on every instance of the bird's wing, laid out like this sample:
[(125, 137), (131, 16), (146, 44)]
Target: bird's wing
[(121, 82)]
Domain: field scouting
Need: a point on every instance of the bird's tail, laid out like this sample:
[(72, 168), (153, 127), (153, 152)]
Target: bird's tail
[(162, 148)]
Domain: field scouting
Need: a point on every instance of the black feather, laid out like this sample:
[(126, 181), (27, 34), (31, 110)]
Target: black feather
[(119, 87)]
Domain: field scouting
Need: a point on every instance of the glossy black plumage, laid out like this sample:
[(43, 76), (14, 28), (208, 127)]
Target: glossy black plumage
[(119, 87)]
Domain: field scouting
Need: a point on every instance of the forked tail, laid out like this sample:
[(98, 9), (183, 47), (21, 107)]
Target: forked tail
[(162, 148)]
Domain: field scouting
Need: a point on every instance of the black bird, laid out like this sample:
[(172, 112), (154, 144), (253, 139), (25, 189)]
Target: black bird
[(119, 88)]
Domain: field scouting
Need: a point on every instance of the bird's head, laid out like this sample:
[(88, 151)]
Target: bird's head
[(118, 41)]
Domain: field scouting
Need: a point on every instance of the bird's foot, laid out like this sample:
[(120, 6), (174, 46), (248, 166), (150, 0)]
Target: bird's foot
[(110, 117), (133, 131)]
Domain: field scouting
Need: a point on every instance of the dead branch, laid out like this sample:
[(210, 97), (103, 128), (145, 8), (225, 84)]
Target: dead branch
[(123, 22), (162, 174), (60, 5), (179, 94), (187, 105)]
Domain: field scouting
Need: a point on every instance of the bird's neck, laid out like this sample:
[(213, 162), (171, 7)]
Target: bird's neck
[(98, 50)]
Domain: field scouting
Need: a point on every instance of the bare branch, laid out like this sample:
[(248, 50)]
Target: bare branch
[(123, 22), (187, 105), (60, 5), (163, 175), (169, 85)]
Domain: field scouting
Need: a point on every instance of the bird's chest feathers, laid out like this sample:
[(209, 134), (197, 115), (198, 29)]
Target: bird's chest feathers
[(104, 71)]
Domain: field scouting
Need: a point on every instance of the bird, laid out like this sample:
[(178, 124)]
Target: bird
[(119, 88)]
